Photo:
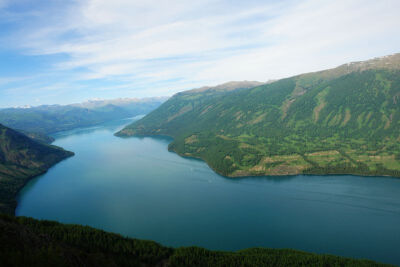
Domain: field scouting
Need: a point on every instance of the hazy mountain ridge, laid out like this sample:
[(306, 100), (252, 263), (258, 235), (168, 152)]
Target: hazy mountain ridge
[(48, 119), (96, 103), (22, 158), (342, 120)]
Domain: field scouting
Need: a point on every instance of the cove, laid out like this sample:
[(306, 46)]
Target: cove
[(136, 187)]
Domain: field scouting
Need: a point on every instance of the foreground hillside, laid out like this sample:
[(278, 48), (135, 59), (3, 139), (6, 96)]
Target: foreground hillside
[(340, 121), (29, 242), (40, 120), (22, 158)]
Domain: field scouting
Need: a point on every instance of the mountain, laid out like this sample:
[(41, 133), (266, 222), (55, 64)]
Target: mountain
[(29, 242), (344, 120), (226, 87), (22, 158), (39, 137), (54, 118)]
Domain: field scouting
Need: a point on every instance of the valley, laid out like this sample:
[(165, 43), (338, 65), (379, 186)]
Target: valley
[(280, 130), (199, 133), (137, 188), (40, 121)]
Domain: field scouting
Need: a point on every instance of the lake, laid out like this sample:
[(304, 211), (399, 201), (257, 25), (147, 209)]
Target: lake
[(136, 187)]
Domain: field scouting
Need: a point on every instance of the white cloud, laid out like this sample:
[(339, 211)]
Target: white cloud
[(316, 35), (190, 43)]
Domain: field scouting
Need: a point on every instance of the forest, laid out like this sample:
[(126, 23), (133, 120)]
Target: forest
[(22, 158), (340, 121), (29, 242)]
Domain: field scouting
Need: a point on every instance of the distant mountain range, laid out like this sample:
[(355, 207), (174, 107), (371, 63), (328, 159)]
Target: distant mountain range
[(22, 158), (47, 119), (344, 120), (129, 103)]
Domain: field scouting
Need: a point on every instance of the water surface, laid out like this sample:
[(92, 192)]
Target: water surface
[(135, 187)]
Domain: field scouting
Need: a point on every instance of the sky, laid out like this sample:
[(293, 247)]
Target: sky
[(68, 51)]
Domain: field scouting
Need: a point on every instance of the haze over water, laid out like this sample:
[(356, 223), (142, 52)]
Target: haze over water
[(136, 187)]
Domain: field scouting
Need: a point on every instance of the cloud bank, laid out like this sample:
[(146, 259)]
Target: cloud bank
[(101, 48)]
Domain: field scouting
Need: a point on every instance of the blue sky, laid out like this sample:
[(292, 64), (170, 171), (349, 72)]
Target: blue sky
[(60, 51)]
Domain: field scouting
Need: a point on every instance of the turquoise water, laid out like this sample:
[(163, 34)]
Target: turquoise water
[(135, 187)]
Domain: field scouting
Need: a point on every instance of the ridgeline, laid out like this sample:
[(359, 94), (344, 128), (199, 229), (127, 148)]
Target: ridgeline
[(339, 121)]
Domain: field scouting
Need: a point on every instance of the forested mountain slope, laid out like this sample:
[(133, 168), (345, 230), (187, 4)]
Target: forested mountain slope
[(22, 158), (54, 118), (28, 242), (343, 120), (39, 137)]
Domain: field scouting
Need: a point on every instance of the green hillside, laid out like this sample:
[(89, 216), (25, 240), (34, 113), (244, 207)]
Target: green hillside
[(340, 121), (29, 242), (39, 137), (22, 158)]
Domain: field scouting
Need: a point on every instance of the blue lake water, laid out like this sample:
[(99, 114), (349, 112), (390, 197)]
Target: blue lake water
[(136, 187)]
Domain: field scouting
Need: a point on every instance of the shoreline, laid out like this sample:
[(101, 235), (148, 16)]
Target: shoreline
[(249, 175), (29, 178)]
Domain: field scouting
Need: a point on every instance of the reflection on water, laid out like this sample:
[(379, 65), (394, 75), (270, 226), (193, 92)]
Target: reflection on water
[(136, 187)]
